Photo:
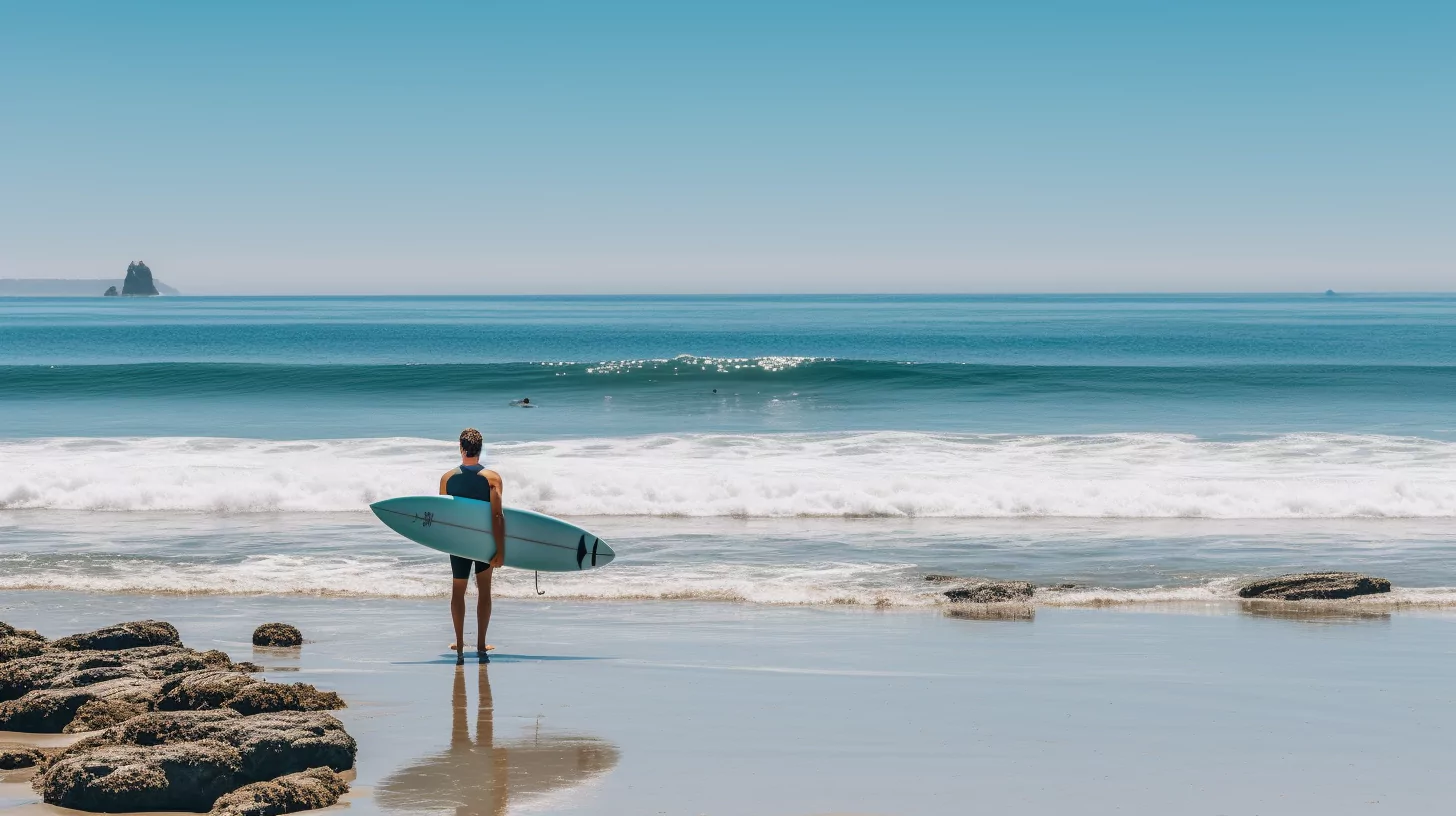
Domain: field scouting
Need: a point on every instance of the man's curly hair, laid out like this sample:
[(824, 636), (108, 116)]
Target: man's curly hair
[(471, 442)]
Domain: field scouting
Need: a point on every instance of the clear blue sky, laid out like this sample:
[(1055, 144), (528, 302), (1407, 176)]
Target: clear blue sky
[(732, 146)]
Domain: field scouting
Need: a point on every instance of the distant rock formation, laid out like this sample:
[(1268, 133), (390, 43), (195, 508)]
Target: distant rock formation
[(138, 281), (111, 291)]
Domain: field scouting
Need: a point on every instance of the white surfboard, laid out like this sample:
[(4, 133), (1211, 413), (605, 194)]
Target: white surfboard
[(462, 527)]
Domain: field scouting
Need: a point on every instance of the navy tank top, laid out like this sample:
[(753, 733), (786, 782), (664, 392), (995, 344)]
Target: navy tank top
[(467, 483)]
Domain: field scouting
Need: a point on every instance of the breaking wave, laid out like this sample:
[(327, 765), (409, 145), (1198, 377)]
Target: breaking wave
[(848, 475), (802, 584)]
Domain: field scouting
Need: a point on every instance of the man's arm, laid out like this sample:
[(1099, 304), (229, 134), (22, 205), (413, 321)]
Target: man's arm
[(443, 480), (497, 518)]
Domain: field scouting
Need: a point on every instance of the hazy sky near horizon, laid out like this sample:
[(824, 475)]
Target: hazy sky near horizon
[(557, 147)]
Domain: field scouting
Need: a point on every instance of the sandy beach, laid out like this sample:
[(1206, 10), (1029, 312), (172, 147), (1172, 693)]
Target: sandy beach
[(731, 709)]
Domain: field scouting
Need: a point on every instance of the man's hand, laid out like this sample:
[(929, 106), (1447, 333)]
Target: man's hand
[(498, 559)]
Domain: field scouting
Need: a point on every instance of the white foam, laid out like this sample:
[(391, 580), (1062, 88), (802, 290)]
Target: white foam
[(802, 584), (887, 474), (387, 576)]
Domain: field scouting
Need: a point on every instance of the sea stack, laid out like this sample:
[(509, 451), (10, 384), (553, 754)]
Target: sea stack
[(138, 281), (111, 291)]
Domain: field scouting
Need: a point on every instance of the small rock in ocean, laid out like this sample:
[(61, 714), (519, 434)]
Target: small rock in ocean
[(936, 578), (1308, 586), (128, 635), (991, 592), (138, 281), (308, 790), (19, 756), (277, 634)]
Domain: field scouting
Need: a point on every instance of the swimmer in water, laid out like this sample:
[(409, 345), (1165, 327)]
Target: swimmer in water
[(523, 403)]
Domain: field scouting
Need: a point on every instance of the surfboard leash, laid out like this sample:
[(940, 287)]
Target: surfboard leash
[(539, 590)]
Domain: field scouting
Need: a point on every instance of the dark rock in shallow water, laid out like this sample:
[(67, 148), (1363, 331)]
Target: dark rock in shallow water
[(277, 634), (212, 689), (218, 659), (991, 592), (271, 745), (203, 690), (935, 578), (62, 669), (19, 756), (1325, 586), (121, 778), (14, 648), (110, 291), (122, 636), (266, 697), (49, 711), (6, 630), (313, 788), (95, 715)]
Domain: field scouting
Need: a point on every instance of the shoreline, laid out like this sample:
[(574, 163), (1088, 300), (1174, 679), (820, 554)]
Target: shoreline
[(695, 707)]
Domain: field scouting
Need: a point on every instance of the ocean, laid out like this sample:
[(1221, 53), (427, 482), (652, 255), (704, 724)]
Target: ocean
[(1114, 449)]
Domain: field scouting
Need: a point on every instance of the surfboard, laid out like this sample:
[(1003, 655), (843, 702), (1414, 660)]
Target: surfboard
[(462, 527)]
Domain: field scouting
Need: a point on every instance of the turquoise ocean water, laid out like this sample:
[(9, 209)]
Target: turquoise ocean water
[(768, 449)]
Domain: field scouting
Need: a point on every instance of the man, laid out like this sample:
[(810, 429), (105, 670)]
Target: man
[(472, 481)]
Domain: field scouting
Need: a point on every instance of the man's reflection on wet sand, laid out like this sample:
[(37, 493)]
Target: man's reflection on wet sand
[(486, 775)]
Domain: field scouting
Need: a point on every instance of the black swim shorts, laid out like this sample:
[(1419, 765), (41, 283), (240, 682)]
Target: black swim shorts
[(461, 567)]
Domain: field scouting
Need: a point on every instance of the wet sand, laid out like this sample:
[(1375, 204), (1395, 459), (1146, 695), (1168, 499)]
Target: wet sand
[(704, 708)]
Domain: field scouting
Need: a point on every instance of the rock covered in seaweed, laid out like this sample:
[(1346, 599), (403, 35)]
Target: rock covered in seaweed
[(95, 715), (1322, 586), (62, 669), (6, 630), (71, 690), (230, 689), (307, 790), (269, 745), (128, 635), (991, 592), (18, 643), (50, 711), (14, 648), (277, 634), (121, 778), (19, 756)]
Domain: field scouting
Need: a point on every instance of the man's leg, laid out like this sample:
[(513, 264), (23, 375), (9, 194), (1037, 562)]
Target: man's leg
[(457, 615), (482, 610)]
